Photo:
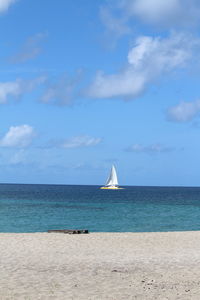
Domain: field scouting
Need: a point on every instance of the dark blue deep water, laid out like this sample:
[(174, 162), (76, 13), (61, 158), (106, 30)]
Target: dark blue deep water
[(32, 208)]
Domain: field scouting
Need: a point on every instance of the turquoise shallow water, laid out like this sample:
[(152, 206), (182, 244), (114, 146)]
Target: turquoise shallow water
[(32, 208)]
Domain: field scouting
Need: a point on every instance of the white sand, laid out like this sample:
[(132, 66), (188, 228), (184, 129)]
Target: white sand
[(100, 266)]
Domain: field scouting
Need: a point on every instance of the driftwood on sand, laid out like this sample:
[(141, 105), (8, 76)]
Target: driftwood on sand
[(69, 231)]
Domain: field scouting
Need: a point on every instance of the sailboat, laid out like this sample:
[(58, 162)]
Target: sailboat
[(112, 181)]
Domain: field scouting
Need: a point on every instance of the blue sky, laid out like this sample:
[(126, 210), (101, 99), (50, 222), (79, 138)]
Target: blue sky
[(85, 84)]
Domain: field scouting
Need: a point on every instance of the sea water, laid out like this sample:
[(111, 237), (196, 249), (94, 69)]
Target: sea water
[(38, 208)]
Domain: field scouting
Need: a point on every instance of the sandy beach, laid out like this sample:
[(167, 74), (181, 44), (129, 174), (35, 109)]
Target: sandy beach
[(100, 266)]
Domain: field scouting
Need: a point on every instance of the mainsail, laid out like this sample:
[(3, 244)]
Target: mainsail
[(112, 179)]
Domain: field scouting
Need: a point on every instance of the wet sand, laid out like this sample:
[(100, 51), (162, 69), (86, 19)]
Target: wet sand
[(100, 266)]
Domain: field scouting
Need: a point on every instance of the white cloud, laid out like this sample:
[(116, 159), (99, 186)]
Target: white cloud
[(17, 88), (154, 148), (18, 136), (155, 11), (183, 112), (5, 4), (81, 141), (30, 49), (169, 13), (150, 58)]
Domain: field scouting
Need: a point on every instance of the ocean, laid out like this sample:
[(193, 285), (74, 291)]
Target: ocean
[(38, 208)]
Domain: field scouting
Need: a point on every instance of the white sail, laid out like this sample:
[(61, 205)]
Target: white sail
[(112, 179)]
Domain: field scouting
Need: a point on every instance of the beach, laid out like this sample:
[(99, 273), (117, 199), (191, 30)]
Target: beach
[(100, 266)]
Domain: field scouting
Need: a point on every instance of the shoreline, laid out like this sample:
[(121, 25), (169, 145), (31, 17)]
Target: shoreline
[(101, 232), (148, 265)]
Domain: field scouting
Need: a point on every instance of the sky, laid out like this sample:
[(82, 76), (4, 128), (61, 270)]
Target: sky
[(86, 84)]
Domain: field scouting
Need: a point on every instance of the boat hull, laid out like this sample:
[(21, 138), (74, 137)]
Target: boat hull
[(110, 188)]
